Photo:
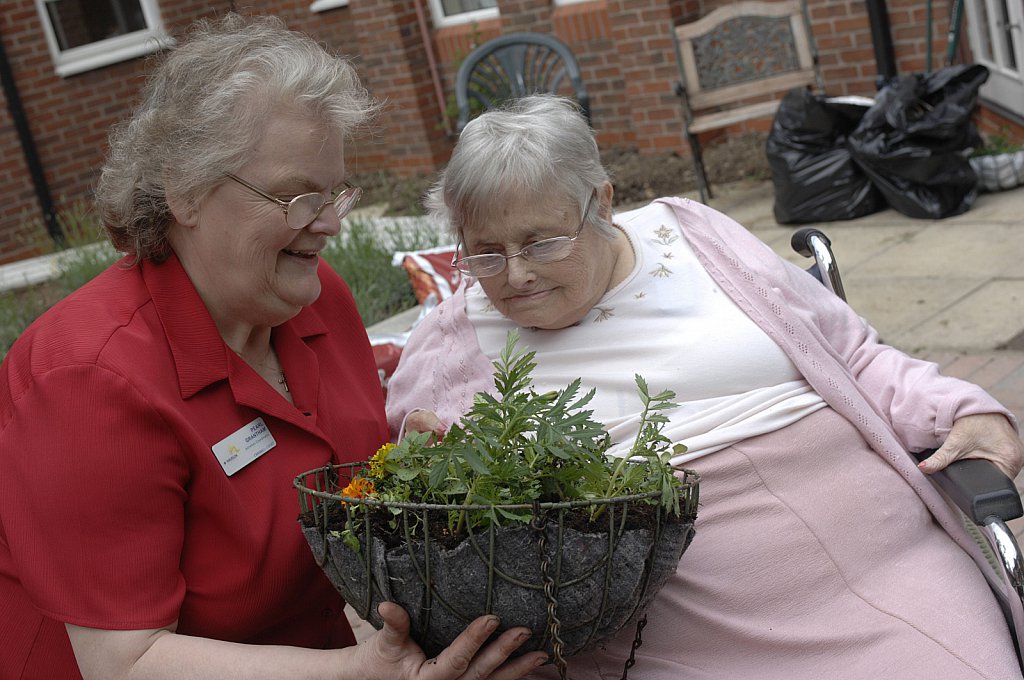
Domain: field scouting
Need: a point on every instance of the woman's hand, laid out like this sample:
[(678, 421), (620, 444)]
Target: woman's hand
[(390, 654), (421, 420), (985, 435)]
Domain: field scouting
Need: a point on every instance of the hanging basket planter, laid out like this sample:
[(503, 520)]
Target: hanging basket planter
[(574, 582), (518, 510)]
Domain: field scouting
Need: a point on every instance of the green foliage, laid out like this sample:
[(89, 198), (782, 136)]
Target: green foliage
[(524, 447), (397, 195), (85, 251), (17, 310), (81, 256), (362, 256), (996, 144)]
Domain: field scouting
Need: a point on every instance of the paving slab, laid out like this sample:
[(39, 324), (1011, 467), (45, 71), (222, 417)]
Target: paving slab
[(748, 202), (986, 318), (993, 249), (855, 245), (1001, 206), (897, 305), (953, 283)]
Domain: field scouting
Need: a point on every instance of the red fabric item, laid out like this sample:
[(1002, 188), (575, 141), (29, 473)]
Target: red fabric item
[(387, 351), (114, 511), (431, 271)]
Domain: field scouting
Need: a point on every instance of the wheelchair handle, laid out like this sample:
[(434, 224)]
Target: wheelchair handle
[(801, 240), (979, 489), (811, 242)]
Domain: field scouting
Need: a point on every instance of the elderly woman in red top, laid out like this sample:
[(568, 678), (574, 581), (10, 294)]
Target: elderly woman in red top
[(151, 423)]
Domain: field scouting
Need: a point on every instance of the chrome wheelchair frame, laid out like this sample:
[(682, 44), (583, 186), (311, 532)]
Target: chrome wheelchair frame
[(981, 492)]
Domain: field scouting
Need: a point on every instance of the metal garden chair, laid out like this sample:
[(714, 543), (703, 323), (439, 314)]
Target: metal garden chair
[(515, 65)]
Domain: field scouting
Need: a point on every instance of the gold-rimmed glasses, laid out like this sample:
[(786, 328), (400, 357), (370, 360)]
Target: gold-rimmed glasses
[(544, 251), (300, 211)]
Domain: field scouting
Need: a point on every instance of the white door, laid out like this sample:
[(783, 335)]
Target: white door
[(996, 33)]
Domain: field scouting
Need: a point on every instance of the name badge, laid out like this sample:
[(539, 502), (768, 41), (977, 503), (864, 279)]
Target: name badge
[(243, 446)]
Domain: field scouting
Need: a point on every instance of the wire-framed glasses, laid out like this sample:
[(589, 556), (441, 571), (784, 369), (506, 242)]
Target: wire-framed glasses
[(300, 211), (545, 251)]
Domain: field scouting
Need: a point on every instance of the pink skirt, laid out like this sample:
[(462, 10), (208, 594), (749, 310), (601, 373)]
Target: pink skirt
[(813, 559)]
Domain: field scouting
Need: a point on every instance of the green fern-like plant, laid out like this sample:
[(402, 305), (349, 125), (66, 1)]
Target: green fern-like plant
[(522, 447)]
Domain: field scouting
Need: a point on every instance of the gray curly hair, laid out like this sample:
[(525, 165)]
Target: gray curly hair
[(539, 145), (200, 116)]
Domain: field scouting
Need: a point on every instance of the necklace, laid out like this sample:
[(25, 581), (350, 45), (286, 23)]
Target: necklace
[(267, 365)]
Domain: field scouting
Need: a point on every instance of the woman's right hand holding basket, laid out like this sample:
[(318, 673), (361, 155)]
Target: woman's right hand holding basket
[(391, 654)]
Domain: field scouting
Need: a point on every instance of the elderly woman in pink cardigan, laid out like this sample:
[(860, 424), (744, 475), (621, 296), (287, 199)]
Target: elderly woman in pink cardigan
[(821, 551)]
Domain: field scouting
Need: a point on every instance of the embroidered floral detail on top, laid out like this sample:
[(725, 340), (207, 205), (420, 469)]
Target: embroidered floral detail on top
[(665, 236), (660, 271)]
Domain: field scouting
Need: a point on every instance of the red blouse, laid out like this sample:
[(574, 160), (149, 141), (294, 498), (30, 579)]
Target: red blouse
[(115, 512)]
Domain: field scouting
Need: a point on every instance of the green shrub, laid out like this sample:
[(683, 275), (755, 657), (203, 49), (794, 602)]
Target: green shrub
[(17, 310), (518, 448), (995, 144), (361, 255), (83, 254)]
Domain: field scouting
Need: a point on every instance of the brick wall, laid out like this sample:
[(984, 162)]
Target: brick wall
[(625, 54), (409, 138), (623, 46), (44, 106), (843, 36), (17, 192), (69, 118)]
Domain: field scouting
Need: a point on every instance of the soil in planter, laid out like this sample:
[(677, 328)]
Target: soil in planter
[(388, 527)]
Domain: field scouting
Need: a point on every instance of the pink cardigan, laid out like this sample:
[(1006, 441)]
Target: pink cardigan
[(898, 403)]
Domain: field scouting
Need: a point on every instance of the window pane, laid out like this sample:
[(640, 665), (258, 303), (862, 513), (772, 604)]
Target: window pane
[(452, 7), (81, 22), (1006, 39), (985, 48)]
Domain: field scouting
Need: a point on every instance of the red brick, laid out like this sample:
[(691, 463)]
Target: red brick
[(623, 46)]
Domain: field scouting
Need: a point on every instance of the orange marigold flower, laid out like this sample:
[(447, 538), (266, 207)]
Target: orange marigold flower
[(359, 488)]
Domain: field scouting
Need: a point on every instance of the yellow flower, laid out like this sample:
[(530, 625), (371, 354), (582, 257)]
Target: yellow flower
[(377, 462), (359, 488)]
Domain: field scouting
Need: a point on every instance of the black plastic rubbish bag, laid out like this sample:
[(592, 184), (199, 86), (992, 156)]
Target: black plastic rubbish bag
[(814, 176), (915, 141)]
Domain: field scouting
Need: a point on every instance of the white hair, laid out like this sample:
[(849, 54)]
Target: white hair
[(202, 111), (538, 145)]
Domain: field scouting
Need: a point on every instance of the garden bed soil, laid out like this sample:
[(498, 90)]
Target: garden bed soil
[(638, 179)]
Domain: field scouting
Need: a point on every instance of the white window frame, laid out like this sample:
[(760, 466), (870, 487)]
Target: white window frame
[(1004, 85), (110, 51), (324, 5), (440, 19)]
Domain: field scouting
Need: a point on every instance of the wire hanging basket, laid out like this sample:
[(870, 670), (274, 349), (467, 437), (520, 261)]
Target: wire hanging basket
[(572, 582)]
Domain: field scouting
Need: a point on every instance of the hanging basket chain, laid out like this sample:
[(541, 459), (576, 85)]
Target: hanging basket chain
[(637, 641), (554, 625)]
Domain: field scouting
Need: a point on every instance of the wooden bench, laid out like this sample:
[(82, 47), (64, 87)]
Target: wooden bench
[(735, 65)]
